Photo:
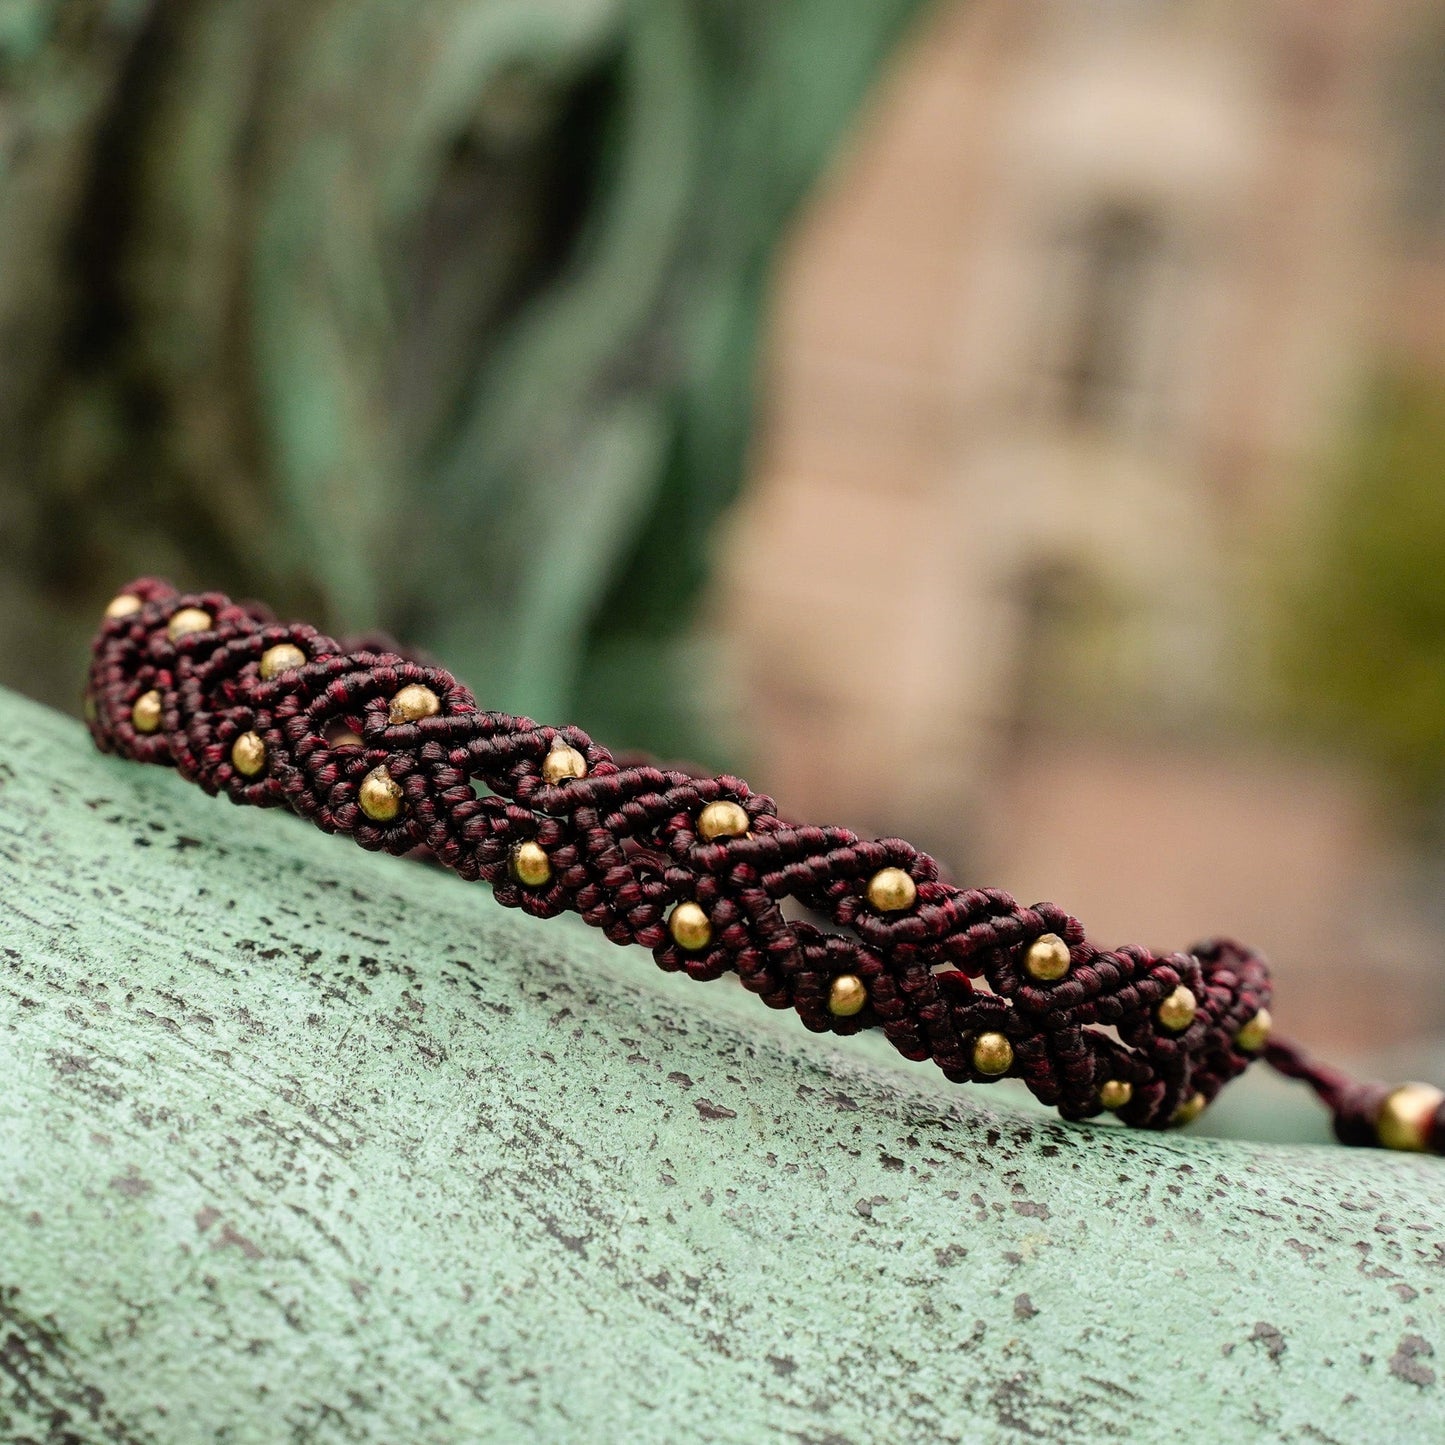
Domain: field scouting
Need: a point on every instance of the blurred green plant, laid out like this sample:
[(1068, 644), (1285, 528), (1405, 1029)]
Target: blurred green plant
[(440, 318), (1364, 624)]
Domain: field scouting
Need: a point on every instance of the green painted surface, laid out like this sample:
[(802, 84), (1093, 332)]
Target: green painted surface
[(300, 1143)]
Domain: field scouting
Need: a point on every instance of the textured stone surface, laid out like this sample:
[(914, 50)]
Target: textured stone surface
[(304, 1144)]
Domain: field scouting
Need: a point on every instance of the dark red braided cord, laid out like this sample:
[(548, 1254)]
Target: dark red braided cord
[(399, 756)]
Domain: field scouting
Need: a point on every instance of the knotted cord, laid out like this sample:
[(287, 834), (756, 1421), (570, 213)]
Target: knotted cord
[(399, 756)]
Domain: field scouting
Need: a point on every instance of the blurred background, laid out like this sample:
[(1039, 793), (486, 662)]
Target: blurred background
[(1014, 424)]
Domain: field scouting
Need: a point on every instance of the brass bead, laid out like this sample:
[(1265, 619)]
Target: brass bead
[(1047, 958), (380, 796), (1255, 1033), (689, 927), (891, 890), (530, 865), (847, 996), (1115, 1093), (282, 658), (123, 605), (248, 755), (188, 619), (1406, 1115), (412, 703), (562, 763), (1177, 1011), (992, 1054), (722, 819), (1188, 1111), (146, 714), (88, 708)]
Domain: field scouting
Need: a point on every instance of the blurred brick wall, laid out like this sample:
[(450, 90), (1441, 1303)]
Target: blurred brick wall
[(1056, 356)]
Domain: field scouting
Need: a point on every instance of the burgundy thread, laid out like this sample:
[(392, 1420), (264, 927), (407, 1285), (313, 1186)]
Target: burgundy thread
[(624, 849)]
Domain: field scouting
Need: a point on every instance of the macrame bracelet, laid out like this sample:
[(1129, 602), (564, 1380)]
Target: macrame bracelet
[(399, 756)]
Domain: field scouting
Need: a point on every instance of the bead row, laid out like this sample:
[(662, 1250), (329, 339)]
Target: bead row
[(695, 869)]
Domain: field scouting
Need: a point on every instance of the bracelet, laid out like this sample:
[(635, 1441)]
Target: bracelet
[(398, 755)]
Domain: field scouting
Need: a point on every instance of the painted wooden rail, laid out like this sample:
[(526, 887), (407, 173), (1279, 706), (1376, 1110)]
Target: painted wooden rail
[(300, 1143)]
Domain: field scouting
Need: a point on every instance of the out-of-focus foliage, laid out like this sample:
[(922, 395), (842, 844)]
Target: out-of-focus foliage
[(1365, 641), (439, 318)]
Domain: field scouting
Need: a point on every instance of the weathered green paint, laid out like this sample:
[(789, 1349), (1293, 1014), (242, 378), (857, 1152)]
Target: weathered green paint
[(301, 1143)]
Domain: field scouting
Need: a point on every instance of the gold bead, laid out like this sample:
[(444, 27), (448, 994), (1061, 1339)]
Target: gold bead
[(88, 708), (1115, 1093), (562, 763), (1047, 958), (146, 714), (1406, 1115), (891, 890), (1255, 1033), (123, 605), (248, 755), (380, 796), (188, 619), (282, 658), (530, 865), (722, 819), (847, 996), (1177, 1011), (689, 927), (992, 1054), (412, 703), (1188, 1111)]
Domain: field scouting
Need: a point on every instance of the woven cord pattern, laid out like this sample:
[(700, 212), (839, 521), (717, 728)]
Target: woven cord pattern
[(624, 850)]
